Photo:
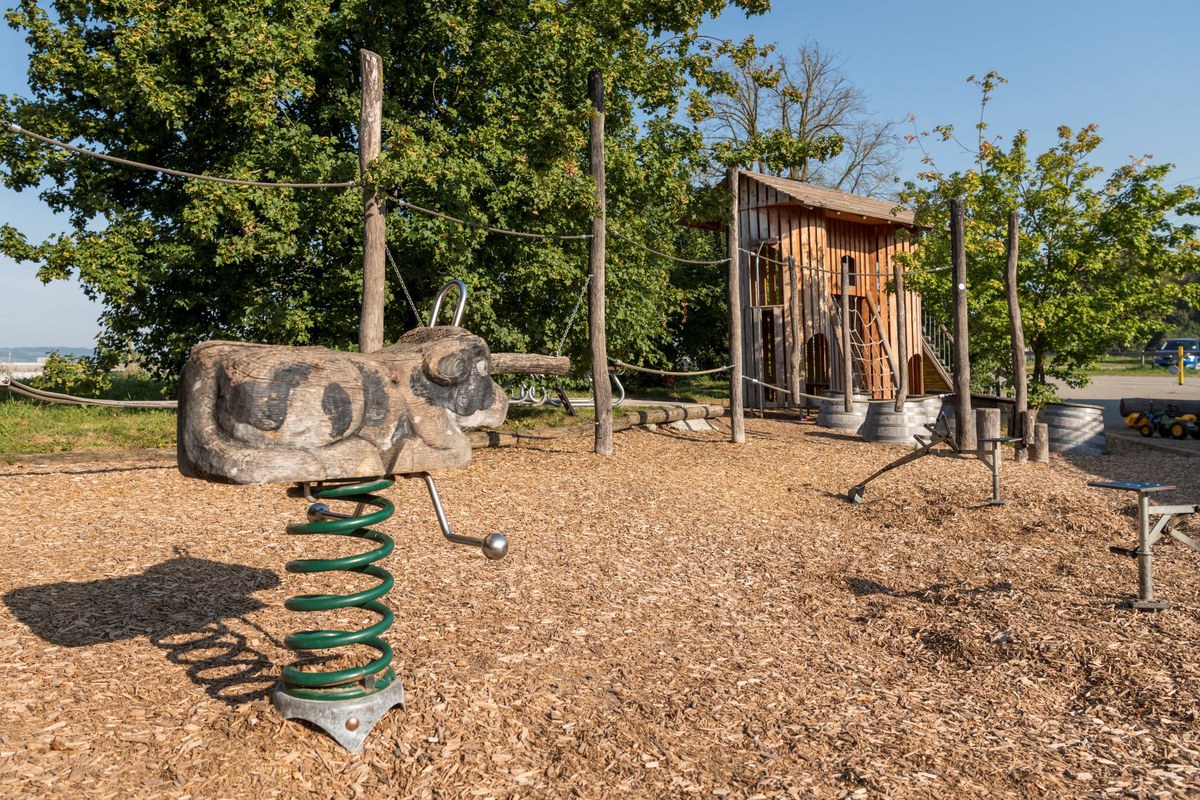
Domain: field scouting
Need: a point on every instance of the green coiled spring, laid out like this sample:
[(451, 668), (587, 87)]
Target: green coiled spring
[(344, 684)]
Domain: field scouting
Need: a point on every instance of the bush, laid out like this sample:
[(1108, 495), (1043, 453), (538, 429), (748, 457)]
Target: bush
[(82, 376)]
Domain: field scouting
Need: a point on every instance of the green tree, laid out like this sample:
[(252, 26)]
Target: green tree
[(486, 119), (794, 115), (1101, 259)]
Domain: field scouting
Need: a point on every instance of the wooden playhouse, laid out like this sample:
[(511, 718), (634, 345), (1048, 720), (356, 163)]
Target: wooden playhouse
[(793, 234)]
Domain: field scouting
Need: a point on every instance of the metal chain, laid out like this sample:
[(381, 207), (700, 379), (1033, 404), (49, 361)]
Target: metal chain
[(403, 285), (574, 313)]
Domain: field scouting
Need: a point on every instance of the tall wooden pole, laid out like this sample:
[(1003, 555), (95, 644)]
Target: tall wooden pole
[(1019, 379), (901, 337), (964, 418), (597, 341), (370, 135), (737, 411), (847, 355), (794, 381)]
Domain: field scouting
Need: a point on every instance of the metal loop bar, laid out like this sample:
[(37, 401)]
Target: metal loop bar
[(456, 320)]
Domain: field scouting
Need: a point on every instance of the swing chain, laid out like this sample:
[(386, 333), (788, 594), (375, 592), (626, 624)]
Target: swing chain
[(574, 314)]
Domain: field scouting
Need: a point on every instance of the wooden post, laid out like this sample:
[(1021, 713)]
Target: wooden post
[(1028, 421), (847, 356), (370, 135), (901, 337), (963, 418), (794, 382), (737, 413), (597, 341), (1019, 379), (1040, 451), (987, 422)]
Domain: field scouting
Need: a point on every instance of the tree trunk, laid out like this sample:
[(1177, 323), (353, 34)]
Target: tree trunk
[(737, 417), (964, 419), (370, 326), (1018, 376), (601, 387)]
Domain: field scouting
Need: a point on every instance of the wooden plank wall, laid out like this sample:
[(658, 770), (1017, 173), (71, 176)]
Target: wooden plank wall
[(764, 218), (818, 239)]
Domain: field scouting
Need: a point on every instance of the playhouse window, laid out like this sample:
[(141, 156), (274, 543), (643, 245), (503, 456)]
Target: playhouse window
[(766, 276), (848, 264)]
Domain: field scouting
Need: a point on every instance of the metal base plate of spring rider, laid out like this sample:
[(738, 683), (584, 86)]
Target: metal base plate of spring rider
[(349, 722), (326, 420)]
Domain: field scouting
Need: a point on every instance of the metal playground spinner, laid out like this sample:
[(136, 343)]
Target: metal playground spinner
[(939, 434), (342, 426)]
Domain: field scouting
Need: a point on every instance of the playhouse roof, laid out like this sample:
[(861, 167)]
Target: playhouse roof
[(841, 204)]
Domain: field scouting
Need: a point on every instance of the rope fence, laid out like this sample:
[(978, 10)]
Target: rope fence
[(650, 371), (16, 387), (661, 254), (125, 162), (471, 224)]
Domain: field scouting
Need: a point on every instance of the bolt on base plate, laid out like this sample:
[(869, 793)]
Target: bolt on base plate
[(347, 721)]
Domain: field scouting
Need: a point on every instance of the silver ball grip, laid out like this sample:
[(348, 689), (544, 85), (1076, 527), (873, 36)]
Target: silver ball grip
[(495, 546)]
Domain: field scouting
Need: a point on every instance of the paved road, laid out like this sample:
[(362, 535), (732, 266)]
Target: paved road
[(1107, 391)]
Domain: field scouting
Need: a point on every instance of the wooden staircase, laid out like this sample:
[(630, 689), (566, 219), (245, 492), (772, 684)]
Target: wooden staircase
[(937, 347)]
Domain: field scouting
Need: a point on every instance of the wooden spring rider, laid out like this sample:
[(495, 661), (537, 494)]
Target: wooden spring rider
[(343, 426)]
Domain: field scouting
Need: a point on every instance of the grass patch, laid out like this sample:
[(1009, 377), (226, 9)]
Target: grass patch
[(1132, 366), (29, 427), (698, 389)]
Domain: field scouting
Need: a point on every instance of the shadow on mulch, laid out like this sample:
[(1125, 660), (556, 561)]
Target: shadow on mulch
[(937, 594), (96, 471), (841, 437), (182, 606)]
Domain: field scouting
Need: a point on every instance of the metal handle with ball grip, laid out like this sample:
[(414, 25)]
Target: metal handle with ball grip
[(494, 546)]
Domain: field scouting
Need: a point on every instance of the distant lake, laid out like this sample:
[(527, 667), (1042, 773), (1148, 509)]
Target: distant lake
[(29, 355)]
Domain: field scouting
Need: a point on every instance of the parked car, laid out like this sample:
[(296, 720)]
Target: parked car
[(1169, 354)]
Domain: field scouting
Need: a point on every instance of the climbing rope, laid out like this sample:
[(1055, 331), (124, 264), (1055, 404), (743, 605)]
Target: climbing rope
[(403, 284)]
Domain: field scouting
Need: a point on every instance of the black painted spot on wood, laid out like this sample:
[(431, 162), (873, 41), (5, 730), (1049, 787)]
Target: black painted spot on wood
[(335, 402), (375, 399), (264, 404)]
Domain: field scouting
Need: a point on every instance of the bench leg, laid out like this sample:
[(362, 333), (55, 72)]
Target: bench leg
[(1146, 600)]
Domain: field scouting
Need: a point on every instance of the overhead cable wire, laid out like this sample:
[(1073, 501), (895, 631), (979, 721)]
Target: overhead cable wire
[(13, 127), (470, 224), (661, 254)]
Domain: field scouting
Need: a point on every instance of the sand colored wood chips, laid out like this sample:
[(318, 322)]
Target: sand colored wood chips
[(689, 618)]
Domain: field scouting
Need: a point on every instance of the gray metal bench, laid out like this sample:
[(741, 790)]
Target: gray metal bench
[(1169, 520)]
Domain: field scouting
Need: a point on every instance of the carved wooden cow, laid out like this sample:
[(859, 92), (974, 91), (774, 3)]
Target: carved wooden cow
[(251, 413)]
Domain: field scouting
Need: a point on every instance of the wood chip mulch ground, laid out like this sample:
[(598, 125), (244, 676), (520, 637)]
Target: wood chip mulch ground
[(688, 618)]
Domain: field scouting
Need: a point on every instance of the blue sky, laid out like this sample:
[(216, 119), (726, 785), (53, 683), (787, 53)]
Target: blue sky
[(1131, 70)]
